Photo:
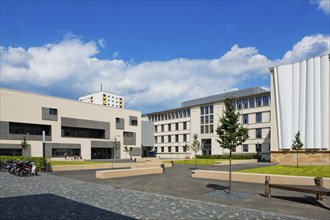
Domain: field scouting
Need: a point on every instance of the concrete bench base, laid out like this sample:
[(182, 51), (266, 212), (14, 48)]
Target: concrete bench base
[(106, 174), (257, 178), (146, 165)]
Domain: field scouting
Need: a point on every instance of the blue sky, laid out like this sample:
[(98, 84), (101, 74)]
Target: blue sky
[(155, 53)]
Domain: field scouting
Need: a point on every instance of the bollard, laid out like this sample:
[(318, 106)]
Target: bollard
[(267, 188), (172, 163), (163, 166), (319, 182)]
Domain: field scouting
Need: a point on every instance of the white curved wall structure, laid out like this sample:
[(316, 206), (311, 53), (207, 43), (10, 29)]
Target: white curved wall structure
[(302, 99)]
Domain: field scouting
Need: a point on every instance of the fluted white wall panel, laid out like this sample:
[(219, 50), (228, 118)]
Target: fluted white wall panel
[(302, 102)]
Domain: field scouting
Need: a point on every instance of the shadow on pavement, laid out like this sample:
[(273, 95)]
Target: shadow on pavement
[(217, 186), (50, 206), (308, 200)]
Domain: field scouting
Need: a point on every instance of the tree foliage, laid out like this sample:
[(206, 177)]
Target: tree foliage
[(127, 150), (297, 144), (24, 144)]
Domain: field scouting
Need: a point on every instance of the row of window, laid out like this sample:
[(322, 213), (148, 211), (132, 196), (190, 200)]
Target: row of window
[(169, 149), (169, 138), (251, 102), (170, 115), (258, 118), (205, 110), (169, 127), (207, 129)]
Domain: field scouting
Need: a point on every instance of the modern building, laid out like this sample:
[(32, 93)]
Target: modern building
[(174, 128), (301, 97), (71, 127), (104, 98)]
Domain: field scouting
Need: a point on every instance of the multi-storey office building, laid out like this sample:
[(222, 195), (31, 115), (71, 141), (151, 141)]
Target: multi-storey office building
[(174, 128), (104, 98), (71, 127)]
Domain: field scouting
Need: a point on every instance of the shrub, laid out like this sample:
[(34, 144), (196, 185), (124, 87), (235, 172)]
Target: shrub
[(226, 156), (39, 161)]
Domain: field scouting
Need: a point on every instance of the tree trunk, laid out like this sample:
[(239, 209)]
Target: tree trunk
[(230, 171), (267, 188), (297, 157)]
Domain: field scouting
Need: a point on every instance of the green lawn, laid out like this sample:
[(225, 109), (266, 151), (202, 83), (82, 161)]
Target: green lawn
[(322, 171), (199, 161), (72, 162)]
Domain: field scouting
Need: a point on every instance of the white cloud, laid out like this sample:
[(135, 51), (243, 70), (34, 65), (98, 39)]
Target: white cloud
[(102, 43), (115, 54), (309, 46), (323, 5), (71, 66)]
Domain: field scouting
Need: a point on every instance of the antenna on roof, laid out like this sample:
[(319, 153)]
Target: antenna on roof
[(101, 87)]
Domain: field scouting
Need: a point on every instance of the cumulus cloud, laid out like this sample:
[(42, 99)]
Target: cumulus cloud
[(72, 67), (309, 46), (323, 5)]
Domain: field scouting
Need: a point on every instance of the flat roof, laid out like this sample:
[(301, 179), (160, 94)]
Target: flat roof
[(221, 97)]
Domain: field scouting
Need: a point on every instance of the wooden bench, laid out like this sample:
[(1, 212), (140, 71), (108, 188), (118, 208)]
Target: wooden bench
[(318, 189), (106, 174)]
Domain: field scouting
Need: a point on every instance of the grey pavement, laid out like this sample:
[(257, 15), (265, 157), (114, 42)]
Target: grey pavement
[(172, 195)]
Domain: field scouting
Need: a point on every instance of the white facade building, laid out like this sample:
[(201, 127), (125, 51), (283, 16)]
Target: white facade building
[(104, 98), (71, 127), (301, 94), (175, 128)]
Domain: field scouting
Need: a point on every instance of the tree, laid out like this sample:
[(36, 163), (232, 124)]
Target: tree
[(186, 148), (24, 144), (230, 132), (297, 144), (195, 147), (128, 150)]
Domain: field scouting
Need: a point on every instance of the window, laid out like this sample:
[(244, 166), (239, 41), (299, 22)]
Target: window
[(211, 128), (176, 138), (202, 110), (177, 126), (258, 117), (206, 129), (156, 140), (245, 118), (202, 119), (177, 149), (258, 133), (162, 149), (202, 129), (188, 112), (156, 149), (206, 119), (246, 103), (169, 149), (83, 132), (265, 100), (258, 147), (169, 127), (258, 101), (169, 138), (251, 101), (184, 125), (134, 122), (233, 105), (128, 134), (211, 109), (211, 119), (206, 111), (184, 137), (245, 148), (184, 148), (156, 128), (53, 111), (162, 139), (162, 127), (233, 149), (30, 129), (239, 104)]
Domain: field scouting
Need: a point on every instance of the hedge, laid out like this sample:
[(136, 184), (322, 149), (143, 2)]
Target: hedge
[(39, 161), (226, 156)]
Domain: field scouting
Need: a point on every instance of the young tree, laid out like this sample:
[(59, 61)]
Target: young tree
[(297, 144), (116, 146), (24, 145), (128, 150), (195, 147), (230, 132), (186, 148)]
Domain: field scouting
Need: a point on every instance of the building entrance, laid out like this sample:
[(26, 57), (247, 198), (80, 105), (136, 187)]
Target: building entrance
[(206, 146)]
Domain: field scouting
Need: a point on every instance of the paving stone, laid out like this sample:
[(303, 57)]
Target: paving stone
[(54, 197)]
